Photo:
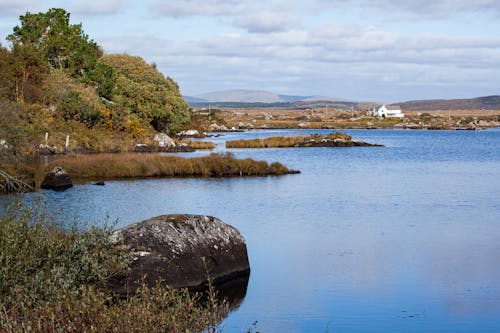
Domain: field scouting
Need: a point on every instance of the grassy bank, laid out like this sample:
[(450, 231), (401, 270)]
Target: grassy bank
[(284, 141), (53, 279), (120, 166), (201, 144)]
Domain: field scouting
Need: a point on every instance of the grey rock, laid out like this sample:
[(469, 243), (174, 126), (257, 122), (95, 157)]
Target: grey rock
[(57, 179), (163, 140), (189, 133), (44, 149), (143, 148), (182, 251)]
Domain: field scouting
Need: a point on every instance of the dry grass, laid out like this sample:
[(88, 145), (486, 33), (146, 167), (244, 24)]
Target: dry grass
[(53, 279), (201, 145), (284, 141), (122, 166)]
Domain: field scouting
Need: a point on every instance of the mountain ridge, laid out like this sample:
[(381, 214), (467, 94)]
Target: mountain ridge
[(261, 98)]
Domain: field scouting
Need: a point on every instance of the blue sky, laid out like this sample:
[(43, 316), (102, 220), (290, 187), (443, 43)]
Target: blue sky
[(383, 50)]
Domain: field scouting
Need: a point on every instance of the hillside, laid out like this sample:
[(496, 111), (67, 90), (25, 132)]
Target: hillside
[(254, 96), (54, 79), (479, 103)]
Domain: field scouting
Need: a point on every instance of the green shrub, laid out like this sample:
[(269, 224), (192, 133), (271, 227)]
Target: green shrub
[(53, 279)]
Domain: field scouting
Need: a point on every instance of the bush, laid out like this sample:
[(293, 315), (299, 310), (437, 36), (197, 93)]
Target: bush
[(53, 279)]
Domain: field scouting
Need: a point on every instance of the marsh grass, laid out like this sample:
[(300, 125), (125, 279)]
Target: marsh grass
[(123, 166), (53, 279), (201, 144), (284, 141)]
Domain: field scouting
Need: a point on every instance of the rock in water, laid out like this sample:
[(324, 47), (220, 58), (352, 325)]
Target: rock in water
[(182, 251), (58, 180)]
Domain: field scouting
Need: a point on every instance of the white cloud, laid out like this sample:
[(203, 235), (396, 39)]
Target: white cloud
[(9, 8), (427, 8), (358, 62), (94, 7), (253, 16)]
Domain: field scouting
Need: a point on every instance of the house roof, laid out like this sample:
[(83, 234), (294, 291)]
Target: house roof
[(393, 107)]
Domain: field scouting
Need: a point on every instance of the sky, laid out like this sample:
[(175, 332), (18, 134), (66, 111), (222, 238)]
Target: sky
[(370, 50)]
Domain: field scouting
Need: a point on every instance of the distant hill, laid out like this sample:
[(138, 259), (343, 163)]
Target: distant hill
[(254, 96), (241, 98), (479, 103)]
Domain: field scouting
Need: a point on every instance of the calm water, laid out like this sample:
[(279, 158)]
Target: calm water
[(404, 237)]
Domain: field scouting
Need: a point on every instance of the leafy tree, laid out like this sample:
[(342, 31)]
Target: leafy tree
[(22, 74), (104, 78), (63, 45), (150, 96)]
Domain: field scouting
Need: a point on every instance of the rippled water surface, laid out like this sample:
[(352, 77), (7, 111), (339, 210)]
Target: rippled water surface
[(404, 237)]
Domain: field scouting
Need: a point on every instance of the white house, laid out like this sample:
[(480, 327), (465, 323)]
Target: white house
[(391, 111)]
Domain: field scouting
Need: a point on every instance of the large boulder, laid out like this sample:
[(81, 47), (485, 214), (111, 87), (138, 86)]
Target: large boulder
[(163, 140), (57, 179), (181, 251)]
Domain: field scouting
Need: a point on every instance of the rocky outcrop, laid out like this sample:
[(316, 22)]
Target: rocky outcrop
[(182, 251), (57, 179), (163, 141), (192, 133)]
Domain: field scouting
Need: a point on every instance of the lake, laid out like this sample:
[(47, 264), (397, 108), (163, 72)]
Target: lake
[(404, 237)]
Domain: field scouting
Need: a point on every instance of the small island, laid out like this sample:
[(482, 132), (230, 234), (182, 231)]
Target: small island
[(336, 139)]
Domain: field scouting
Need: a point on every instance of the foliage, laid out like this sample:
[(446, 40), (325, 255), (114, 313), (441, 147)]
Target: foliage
[(63, 45), (89, 310), (39, 257), (155, 100), (22, 75), (104, 77), (62, 85), (53, 279), (109, 166)]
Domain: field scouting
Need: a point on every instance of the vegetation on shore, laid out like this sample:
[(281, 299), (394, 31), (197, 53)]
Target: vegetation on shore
[(285, 141), (53, 278), (201, 144), (55, 79), (123, 166)]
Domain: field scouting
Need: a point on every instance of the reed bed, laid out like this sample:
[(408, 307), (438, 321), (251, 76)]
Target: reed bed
[(122, 166), (285, 141), (201, 145)]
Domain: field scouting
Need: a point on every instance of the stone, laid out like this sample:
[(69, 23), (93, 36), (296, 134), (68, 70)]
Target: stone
[(189, 133), (182, 251), (163, 140), (217, 128), (4, 144), (44, 149), (57, 179), (143, 148)]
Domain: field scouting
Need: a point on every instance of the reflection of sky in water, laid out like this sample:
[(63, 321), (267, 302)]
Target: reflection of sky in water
[(402, 237)]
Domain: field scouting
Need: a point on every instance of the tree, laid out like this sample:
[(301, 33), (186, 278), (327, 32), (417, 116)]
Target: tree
[(150, 96), (63, 45), (22, 75)]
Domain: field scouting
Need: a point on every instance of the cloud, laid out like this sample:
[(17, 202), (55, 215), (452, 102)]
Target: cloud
[(356, 61), (8, 8), (427, 8), (253, 16), (266, 21), (95, 7)]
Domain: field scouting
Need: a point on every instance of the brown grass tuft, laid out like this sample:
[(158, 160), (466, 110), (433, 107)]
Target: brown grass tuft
[(120, 166)]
